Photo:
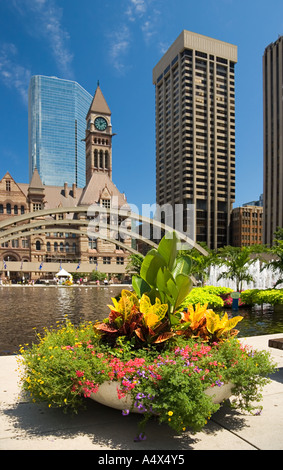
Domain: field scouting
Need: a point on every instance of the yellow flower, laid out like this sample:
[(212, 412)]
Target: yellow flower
[(170, 413)]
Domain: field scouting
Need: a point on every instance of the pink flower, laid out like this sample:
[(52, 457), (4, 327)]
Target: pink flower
[(79, 373)]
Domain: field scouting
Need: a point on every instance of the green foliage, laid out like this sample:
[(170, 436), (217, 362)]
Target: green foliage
[(134, 263), (237, 261), (70, 363), (165, 275), (268, 296), (97, 276), (199, 295), (276, 264)]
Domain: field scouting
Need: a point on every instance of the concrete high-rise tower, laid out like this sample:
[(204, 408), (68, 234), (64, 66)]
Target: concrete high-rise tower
[(272, 139), (195, 132)]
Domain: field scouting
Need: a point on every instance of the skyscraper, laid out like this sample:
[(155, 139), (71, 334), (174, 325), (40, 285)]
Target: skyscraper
[(272, 139), (195, 132), (57, 112)]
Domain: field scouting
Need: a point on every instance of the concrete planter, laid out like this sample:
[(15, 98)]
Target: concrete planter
[(107, 395)]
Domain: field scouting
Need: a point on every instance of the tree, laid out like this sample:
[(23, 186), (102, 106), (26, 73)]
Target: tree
[(97, 276), (200, 263), (134, 264), (277, 263), (238, 261)]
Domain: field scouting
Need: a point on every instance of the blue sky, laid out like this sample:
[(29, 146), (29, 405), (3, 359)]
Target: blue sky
[(118, 42)]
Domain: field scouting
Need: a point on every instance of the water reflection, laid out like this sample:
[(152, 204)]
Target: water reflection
[(24, 311), (27, 310)]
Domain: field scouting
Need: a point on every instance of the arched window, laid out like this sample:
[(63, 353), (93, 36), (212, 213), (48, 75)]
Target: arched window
[(8, 209), (55, 246), (74, 248), (37, 245), (67, 247), (61, 246), (48, 246), (106, 159), (1, 209), (16, 210), (22, 209), (101, 158), (96, 158)]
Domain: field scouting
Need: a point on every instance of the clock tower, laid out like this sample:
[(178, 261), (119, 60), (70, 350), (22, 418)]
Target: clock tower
[(98, 137)]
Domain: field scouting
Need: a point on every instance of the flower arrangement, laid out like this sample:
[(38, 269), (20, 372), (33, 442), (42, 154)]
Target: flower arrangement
[(163, 357)]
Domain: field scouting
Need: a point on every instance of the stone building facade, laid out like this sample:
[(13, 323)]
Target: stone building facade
[(65, 237)]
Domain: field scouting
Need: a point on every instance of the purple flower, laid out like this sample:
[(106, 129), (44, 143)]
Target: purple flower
[(140, 437), (125, 412)]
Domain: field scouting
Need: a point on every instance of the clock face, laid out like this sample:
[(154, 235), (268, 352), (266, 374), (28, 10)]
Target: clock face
[(100, 123)]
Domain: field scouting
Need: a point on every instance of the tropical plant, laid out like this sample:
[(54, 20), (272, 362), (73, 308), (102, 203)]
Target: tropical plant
[(207, 325), (201, 263), (237, 261), (276, 264), (135, 319), (165, 275)]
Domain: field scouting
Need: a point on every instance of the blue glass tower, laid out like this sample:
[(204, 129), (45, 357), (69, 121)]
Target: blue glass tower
[(57, 123)]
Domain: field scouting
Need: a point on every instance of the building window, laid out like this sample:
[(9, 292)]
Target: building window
[(16, 210), (92, 243), (1, 209), (36, 207), (55, 246), (48, 246), (96, 158), (8, 209), (106, 159), (106, 203), (67, 247), (22, 210), (37, 245), (119, 260), (15, 243), (106, 260), (8, 185), (25, 243), (74, 248), (93, 260), (61, 247)]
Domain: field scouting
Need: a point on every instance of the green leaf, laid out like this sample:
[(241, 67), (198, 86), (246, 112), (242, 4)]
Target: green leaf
[(140, 286), (152, 262), (184, 286), (168, 249), (183, 266)]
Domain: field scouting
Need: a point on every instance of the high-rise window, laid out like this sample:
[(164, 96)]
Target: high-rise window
[(57, 123)]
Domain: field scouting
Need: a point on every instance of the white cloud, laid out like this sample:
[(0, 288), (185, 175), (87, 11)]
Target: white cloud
[(136, 8), (12, 74), (43, 20), (120, 41), (137, 14)]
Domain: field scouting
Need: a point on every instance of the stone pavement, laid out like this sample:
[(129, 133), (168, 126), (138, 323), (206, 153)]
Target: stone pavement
[(28, 426)]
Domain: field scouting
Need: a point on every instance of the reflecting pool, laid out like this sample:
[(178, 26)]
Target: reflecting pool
[(26, 311)]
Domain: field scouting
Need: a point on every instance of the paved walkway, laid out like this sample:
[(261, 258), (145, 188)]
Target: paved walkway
[(29, 426)]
